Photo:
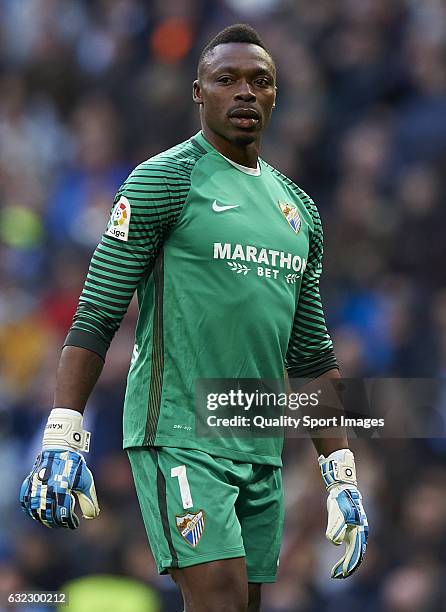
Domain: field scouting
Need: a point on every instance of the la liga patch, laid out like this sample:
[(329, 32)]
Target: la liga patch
[(191, 526), (119, 223)]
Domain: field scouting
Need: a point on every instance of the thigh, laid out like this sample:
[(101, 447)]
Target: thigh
[(188, 506), (215, 586), (254, 596), (260, 509)]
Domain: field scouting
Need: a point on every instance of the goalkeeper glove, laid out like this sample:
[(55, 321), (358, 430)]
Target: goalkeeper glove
[(60, 473), (347, 521)]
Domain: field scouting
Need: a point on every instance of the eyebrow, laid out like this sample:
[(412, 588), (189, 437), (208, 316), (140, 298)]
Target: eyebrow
[(234, 68)]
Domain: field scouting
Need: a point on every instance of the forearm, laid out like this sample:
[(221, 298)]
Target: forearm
[(325, 445), (77, 373), (322, 440)]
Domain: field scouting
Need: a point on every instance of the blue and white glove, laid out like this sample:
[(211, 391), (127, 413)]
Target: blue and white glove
[(60, 475), (347, 521)]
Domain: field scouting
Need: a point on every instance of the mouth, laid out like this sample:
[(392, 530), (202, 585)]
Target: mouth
[(244, 117)]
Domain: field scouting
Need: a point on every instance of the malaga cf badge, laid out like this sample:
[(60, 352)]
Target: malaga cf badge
[(191, 526), (291, 214)]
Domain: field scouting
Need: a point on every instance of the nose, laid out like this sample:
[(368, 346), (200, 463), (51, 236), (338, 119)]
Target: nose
[(245, 93)]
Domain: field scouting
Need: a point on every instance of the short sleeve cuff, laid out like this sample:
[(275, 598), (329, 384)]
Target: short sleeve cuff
[(87, 340), (314, 368)]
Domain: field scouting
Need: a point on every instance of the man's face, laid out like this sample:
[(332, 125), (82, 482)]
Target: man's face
[(236, 91)]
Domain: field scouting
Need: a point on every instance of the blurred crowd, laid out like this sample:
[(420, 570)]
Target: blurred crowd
[(90, 88)]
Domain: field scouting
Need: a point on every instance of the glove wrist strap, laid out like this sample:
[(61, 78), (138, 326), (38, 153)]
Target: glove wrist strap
[(338, 468), (64, 430)]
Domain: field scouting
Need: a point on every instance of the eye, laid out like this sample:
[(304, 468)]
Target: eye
[(225, 80), (263, 82)]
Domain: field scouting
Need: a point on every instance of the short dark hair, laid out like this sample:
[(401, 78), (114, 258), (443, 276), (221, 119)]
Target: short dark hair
[(237, 33)]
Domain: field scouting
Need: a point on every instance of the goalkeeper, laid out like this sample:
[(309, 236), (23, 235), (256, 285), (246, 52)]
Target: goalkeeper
[(225, 255)]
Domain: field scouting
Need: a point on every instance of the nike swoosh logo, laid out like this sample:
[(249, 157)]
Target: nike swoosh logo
[(219, 208)]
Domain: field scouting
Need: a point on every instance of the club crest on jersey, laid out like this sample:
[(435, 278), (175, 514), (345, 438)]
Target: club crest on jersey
[(291, 214), (191, 526), (119, 223)]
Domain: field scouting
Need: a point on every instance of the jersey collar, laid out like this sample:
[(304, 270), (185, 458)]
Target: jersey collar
[(201, 140)]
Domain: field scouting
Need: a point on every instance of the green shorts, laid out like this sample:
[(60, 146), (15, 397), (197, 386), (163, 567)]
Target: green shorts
[(198, 508)]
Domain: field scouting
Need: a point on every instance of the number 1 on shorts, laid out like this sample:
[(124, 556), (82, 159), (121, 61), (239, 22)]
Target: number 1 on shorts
[(180, 473)]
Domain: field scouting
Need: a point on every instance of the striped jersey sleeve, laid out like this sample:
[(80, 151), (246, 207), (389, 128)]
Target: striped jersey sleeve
[(154, 195), (310, 349)]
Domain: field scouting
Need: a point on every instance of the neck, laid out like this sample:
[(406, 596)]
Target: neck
[(246, 155)]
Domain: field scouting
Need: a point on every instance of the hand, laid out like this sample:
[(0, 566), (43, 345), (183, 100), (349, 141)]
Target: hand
[(60, 475), (347, 521)]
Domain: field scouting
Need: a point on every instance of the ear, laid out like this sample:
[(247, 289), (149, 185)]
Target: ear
[(196, 92)]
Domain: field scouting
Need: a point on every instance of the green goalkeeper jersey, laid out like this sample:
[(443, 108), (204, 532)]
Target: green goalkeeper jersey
[(226, 263)]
